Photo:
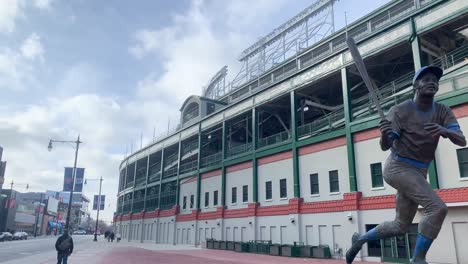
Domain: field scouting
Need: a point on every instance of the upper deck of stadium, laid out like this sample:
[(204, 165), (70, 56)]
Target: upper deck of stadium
[(253, 113)]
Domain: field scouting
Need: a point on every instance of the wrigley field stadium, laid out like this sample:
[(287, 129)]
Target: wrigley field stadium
[(288, 150)]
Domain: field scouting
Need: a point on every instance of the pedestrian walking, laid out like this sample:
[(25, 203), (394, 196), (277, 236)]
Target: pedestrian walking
[(64, 247), (112, 236), (119, 237), (412, 132)]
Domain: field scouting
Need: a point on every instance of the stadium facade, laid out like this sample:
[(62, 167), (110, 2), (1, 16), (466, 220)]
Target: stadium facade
[(292, 154)]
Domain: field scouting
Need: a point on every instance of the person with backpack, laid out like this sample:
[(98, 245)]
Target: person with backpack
[(64, 247)]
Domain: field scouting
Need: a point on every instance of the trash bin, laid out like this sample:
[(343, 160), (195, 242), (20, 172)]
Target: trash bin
[(307, 251), (216, 244), (264, 247), (230, 245), (223, 245), (210, 243), (322, 251), (241, 247), (275, 249), (292, 250)]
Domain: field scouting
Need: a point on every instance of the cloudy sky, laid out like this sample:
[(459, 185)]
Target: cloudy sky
[(114, 70)]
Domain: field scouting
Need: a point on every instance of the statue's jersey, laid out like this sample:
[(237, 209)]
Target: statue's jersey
[(412, 140)]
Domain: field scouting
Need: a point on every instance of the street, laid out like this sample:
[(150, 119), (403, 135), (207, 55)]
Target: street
[(37, 250)]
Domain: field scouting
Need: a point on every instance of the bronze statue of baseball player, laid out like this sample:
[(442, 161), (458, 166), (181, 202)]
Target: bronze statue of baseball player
[(412, 130)]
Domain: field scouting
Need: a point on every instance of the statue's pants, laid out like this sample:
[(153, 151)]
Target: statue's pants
[(413, 190)]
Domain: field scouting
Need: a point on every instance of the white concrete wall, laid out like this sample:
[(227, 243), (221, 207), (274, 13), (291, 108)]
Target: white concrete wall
[(238, 179), (210, 185), (366, 153), (149, 229), (207, 229), (278, 229), (239, 229), (166, 230), (447, 161), (187, 189), (332, 229), (185, 233), (322, 163), (274, 172)]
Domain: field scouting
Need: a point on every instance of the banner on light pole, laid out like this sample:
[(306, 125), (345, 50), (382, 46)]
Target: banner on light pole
[(68, 178), (101, 203)]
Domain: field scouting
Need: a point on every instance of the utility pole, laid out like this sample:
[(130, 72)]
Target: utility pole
[(98, 207), (38, 210)]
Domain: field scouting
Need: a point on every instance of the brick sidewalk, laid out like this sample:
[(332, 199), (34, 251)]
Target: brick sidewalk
[(129, 254)]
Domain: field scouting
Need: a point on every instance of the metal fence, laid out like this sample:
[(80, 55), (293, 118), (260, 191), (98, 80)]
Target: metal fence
[(274, 139)]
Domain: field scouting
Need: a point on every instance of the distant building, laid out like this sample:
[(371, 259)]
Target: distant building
[(2, 169)]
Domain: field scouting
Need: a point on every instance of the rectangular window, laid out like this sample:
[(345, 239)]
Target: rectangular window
[(207, 199), (234, 195), (314, 183), (192, 199), (462, 155), (215, 198), (245, 193), (184, 204), (283, 189), (334, 182), (376, 172), (268, 194)]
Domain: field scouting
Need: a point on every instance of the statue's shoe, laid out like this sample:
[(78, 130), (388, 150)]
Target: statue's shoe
[(354, 249)]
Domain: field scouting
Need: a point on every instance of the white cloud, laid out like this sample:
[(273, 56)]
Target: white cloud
[(9, 11), (43, 4), (102, 123), (17, 72), (32, 47)]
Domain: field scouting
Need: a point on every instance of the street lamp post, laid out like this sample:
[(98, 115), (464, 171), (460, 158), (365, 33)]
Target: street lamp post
[(77, 142), (98, 205)]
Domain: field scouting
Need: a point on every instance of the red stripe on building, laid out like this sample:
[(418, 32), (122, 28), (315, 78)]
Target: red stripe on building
[(207, 215), (171, 212), (460, 110), (455, 195), (322, 207), (274, 158), (377, 202), (137, 216), (273, 210), (351, 202), (151, 214), (240, 166), (317, 147), (210, 174), (366, 135)]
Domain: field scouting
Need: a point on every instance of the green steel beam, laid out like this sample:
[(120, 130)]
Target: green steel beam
[(254, 159), (285, 146), (349, 136), (198, 166), (223, 168), (179, 155), (295, 157), (161, 177), (322, 137)]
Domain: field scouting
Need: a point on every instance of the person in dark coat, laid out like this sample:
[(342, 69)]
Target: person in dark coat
[(112, 236), (64, 247)]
